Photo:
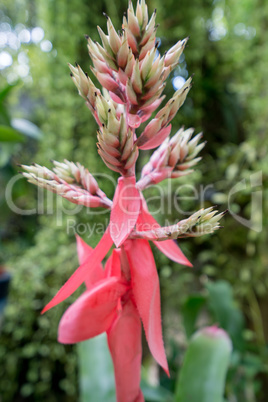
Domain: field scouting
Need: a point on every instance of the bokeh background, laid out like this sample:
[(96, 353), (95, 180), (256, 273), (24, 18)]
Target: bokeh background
[(228, 285)]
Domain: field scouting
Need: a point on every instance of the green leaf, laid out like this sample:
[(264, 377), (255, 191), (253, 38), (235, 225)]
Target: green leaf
[(4, 115), (190, 311), (9, 134), (4, 92), (7, 149), (27, 128), (155, 394), (96, 374), (226, 313)]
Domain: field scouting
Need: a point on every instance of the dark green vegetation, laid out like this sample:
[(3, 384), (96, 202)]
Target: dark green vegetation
[(228, 53)]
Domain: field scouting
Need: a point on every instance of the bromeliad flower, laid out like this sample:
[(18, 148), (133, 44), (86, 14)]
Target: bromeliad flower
[(132, 73)]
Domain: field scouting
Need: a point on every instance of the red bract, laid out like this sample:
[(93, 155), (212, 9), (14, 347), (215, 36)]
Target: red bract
[(114, 302), (125, 209), (129, 208)]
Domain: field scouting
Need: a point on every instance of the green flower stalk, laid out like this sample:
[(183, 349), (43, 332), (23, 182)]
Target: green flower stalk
[(202, 377)]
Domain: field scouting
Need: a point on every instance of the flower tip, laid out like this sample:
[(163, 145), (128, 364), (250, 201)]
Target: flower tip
[(44, 310), (117, 241), (166, 370), (189, 264)]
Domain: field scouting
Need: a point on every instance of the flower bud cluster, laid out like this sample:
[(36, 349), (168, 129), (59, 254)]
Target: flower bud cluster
[(159, 128), (133, 73), (69, 180), (174, 158), (85, 86), (202, 222), (129, 66), (116, 140)]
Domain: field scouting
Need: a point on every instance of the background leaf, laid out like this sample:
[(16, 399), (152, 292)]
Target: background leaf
[(27, 128), (9, 134), (225, 311), (190, 311), (96, 371), (155, 394)]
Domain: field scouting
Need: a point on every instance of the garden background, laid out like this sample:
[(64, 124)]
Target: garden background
[(228, 54)]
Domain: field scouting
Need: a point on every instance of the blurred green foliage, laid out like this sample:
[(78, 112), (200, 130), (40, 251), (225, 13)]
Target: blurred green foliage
[(228, 53)]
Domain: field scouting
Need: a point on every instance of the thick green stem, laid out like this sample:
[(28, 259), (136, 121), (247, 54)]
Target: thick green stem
[(202, 377)]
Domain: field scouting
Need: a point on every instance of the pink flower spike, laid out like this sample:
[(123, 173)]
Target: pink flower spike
[(84, 251), (124, 340), (168, 247), (125, 210), (78, 277), (146, 292), (92, 313)]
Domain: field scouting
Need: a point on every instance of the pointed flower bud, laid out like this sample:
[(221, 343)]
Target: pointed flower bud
[(85, 86), (122, 54), (133, 22), (114, 39), (106, 42), (173, 55)]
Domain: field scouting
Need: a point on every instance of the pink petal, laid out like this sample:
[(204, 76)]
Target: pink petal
[(172, 251), (125, 210), (157, 177), (157, 139), (145, 287), (148, 110), (134, 120), (124, 340), (107, 81), (81, 273), (116, 98), (92, 313), (113, 265), (84, 251), (122, 76), (168, 247)]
